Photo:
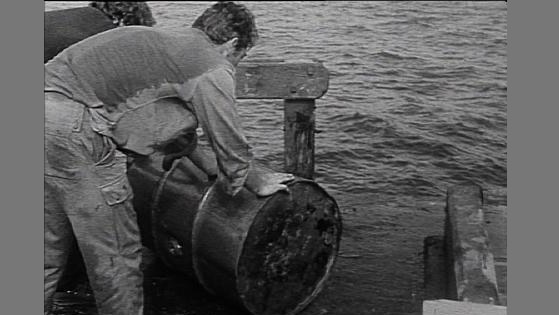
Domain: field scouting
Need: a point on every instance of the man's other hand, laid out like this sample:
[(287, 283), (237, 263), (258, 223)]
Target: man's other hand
[(264, 182)]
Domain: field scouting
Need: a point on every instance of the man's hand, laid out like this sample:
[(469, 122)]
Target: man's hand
[(264, 182), (177, 148)]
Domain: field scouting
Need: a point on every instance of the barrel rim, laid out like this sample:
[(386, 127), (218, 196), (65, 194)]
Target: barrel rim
[(154, 207), (194, 237)]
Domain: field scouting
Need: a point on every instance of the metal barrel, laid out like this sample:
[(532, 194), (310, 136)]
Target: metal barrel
[(270, 255)]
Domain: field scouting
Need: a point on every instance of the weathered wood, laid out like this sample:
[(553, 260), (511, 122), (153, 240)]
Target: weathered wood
[(299, 137), (495, 219), (448, 307), (434, 273), (473, 277), (269, 79)]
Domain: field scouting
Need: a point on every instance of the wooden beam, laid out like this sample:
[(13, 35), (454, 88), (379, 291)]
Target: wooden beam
[(448, 307), (434, 268), (495, 219), (472, 275), (298, 83), (269, 79), (299, 137)]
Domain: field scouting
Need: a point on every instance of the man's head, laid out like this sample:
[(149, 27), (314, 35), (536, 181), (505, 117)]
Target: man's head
[(125, 12), (230, 25)]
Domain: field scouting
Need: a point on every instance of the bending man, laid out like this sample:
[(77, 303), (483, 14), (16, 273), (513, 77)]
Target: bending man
[(136, 91)]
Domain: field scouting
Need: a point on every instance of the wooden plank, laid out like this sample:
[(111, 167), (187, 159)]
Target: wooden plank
[(269, 79), (299, 137), (434, 273), (472, 272), (448, 307), (495, 219)]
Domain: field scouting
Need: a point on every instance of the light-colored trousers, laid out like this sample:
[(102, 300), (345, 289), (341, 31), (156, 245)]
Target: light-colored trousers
[(88, 194)]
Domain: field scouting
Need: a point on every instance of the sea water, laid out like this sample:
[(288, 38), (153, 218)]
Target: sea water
[(417, 102)]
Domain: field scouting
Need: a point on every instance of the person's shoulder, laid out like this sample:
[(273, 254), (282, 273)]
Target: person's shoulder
[(222, 75), (192, 42), (131, 35), (139, 29), (187, 36)]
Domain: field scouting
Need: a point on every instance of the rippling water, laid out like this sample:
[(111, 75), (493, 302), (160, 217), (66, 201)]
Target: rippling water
[(417, 102)]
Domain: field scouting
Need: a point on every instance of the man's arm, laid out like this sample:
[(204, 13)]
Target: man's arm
[(213, 99), (260, 180)]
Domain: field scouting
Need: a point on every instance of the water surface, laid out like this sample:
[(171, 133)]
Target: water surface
[(417, 102)]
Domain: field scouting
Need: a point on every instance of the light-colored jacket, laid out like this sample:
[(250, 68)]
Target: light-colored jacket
[(121, 74)]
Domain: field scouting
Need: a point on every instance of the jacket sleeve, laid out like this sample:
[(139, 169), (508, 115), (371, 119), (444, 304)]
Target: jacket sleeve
[(213, 101)]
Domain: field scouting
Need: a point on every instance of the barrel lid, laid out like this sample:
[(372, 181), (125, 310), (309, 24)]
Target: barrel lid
[(289, 250)]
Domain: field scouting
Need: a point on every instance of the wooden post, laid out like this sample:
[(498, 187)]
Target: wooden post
[(495, 219), (299, 137), (472, 275), (434, 272), (298, 83)]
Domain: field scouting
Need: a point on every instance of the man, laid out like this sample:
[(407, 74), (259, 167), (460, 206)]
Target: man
[(69, 26), (137, 91), (66, 27)]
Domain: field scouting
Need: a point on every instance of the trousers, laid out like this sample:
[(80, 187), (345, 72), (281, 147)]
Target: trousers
[(87, 194)]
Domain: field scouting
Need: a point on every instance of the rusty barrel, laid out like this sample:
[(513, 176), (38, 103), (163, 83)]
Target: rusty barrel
[(270, 255)]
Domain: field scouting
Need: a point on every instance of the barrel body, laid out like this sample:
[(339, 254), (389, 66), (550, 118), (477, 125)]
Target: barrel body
[(270, 255)]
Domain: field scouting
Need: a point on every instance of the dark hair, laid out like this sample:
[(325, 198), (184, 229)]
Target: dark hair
[(125, 12), (226, 20)]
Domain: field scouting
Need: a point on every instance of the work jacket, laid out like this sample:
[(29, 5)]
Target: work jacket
[(143, 87)]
